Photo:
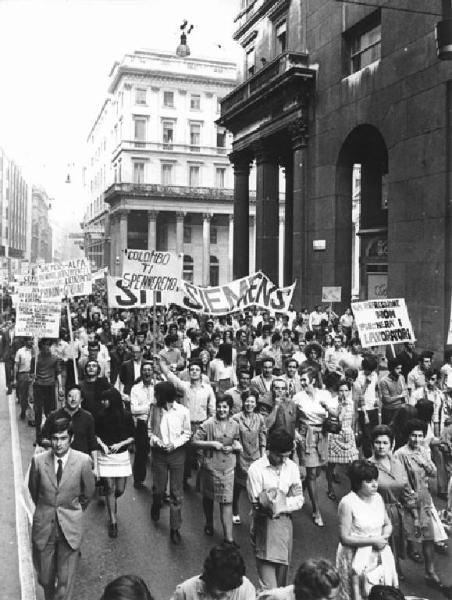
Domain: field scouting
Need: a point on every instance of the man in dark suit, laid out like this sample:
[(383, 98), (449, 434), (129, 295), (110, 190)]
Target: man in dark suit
[(61, 485), (130, 370), (118, 356)]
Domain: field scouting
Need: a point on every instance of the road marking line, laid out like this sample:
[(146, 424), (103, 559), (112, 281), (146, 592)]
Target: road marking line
[(26, 571)]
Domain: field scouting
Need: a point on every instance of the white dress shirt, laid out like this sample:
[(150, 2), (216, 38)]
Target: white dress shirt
[(141, 398), (175, 426), (262, 476), (63, 459)]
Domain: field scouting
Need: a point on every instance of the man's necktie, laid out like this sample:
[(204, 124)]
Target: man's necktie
[(59, 472)]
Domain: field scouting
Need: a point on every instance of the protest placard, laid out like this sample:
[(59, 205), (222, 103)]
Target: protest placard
[(252, 290), (331, 294), (72, 278), (151, 270), (38, 319), (382, 322), (120, 296)]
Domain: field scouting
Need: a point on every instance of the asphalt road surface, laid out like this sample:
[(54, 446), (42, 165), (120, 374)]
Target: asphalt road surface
[(144, 548)]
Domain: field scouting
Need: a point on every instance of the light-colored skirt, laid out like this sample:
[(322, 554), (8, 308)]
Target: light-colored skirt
[(114, 465)]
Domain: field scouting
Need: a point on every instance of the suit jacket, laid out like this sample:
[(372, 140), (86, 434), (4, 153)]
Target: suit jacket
[(64, 502), (127, 375)]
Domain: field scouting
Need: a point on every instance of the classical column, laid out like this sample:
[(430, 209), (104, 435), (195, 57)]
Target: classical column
[(267, 212), (122, 239), (281, 251), (240, 256), (206, 218), (180, 232), (288, 222), (113, 243), (252, 244), (299, 143), (152, 229), (231, 248)]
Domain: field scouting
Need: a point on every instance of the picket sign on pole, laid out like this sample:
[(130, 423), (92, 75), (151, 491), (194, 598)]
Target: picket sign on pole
[(71, 340), (154, 324)]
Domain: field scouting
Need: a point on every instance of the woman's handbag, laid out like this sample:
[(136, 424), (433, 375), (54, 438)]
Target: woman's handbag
[(331, 425)]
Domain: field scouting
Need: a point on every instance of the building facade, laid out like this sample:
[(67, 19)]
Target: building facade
[(158, 175), (15, 215), (41, 229), (328, 87)]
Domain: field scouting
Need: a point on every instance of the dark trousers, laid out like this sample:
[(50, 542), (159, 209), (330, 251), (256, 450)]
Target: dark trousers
[(23, 381), (142, 448), (387, 414), (44, 400), (9, 372), (172, 464), (191, 453), (367, 430), (56, 566)]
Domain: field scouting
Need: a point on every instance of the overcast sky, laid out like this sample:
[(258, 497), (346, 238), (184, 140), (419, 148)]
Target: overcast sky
[(55, 56)]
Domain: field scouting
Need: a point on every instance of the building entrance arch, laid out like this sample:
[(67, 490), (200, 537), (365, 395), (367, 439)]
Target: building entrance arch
[(361, 263)]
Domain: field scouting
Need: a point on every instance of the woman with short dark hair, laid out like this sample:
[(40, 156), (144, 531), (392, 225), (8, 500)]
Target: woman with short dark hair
[(393, 487), (218, 438), (126, 587), (314, 580), (364, 530), (224, 571), (419, 468)]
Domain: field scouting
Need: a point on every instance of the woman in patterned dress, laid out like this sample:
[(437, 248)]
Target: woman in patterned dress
[(253, 437), (342, 446), (218, 438), (393, 487), (422, 524)]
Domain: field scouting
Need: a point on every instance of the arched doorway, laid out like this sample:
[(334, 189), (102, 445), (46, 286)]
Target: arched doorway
[(362, 215)]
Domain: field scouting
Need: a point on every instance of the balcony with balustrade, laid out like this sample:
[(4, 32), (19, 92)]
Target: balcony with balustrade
[(287, 79)]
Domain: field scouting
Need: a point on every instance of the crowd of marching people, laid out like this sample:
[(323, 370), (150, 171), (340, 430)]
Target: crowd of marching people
[(249, 404)]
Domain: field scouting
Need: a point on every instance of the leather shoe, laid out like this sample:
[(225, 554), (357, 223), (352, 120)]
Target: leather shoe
[(175, 536), (113, 530), (155, 512)]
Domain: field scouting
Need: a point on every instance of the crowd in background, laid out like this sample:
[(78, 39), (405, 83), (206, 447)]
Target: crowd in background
[(255, 403)]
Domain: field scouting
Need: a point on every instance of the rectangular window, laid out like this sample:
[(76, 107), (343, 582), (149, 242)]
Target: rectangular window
[(195, 102), (281, 37), (187, 234), (213, 234), (195, 136), (220, 175), (250, 61), (139, 124), (138, 172), (221, 141), (167, 174), (140, 96), (168, 99), (168, 134), (193, 176), (364, 43)]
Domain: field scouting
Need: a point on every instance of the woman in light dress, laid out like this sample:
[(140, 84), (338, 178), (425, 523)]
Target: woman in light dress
[(364, 531)]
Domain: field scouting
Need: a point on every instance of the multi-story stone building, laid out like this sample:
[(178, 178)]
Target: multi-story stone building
[(158, 174), (328, 86), (14, 215), (41, 229)]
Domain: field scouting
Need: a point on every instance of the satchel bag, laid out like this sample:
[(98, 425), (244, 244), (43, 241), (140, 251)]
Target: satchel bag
[(331, 425)]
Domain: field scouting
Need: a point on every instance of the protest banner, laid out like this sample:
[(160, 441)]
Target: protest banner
[(151, 270), (382, 322), (120, 296), (38, 319), (331, 294), (252, 290), (72, 278)]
